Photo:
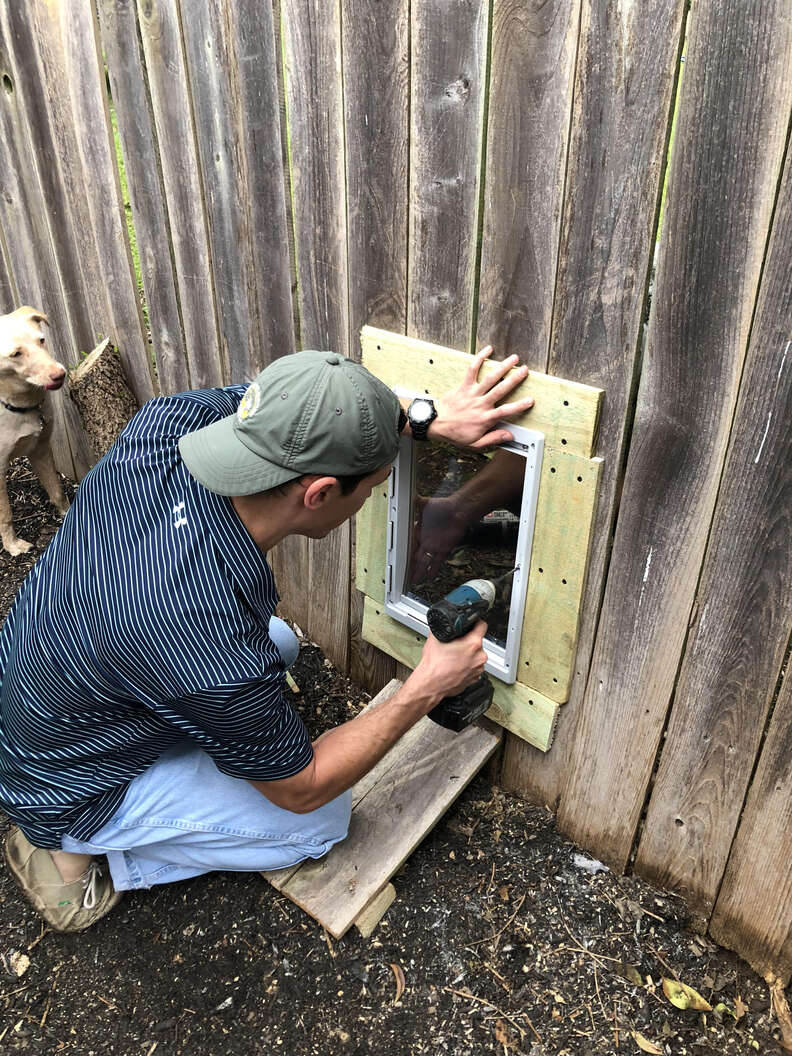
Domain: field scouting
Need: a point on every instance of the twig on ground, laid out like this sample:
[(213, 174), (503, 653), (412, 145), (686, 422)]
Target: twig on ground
[(667, 966), (494, 1007)]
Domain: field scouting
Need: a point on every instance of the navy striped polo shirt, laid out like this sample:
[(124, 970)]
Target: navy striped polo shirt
[(144, 622)]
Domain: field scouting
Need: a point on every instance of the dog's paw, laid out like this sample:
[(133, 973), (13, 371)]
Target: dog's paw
[(62, 508), (16, 547)]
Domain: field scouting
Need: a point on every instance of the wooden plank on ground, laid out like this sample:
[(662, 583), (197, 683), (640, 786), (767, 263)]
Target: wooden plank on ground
[(530, 98), (626, 68), (516, 707), (565, 411), (390, 822), (731, 133), (753, 913), (376, 48), (166, 72), (230, 51), (118, 21), (448, 69), (742, 616), (312, 56), (367, 921)]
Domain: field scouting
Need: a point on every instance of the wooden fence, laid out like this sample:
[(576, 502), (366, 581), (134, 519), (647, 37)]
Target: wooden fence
[(470, 172)]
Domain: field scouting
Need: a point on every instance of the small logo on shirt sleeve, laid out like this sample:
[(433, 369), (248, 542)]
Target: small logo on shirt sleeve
[(179, 520)]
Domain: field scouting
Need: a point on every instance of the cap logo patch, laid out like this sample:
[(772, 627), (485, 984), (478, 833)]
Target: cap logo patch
[(251, 402)]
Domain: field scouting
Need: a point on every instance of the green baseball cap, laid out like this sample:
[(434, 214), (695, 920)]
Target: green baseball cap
[(308, 412)]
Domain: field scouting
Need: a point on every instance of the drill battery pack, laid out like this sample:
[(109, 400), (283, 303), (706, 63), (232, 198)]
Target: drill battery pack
[(455, 713)]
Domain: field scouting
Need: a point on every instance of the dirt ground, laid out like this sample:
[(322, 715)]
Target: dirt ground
[(501, 940)]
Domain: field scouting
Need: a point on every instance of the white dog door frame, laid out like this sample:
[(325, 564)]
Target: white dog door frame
[(502, 660)]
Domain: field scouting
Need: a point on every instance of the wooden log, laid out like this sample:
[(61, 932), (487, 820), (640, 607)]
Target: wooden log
[(103, 396), (730, 141)]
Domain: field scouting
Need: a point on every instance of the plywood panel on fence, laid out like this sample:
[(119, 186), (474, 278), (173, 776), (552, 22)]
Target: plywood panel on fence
[(448, 65), (313, 84), (118, 22), (731, 134), (530, 97), (166, 73), (377, 107), (565, 411), (231, 57), (524, 711), (742, 616), (622, 101), (753, 914)]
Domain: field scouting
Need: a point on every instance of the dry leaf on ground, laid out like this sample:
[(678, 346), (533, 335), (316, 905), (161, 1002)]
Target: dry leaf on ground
[(781, 1009), (400, 981), (683, 996), (645, 1045)]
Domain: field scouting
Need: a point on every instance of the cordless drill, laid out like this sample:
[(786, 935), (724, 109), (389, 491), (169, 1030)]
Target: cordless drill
[(450, 618)]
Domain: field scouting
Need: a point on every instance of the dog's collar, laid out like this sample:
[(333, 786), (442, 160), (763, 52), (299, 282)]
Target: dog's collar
[(21, 410)]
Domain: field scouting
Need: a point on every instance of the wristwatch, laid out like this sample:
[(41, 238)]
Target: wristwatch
[(420, 414)]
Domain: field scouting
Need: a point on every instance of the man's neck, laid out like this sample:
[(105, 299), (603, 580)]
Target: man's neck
[(266, 518)]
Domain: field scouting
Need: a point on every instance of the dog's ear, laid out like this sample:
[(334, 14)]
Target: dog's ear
[(33, 314)]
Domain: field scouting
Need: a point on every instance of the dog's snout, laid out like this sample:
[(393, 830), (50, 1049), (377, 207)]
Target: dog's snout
[(57, 378)]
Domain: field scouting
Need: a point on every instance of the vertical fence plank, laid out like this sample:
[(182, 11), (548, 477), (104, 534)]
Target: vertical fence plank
[(170, 99), (8, 294), (448, 71), (753, 913), (231, 57), (118, 21), (533, 63), (69, 124), (377, 107), (743, 612), (623, 93), (25, 219), (319, 593), (730, 140)]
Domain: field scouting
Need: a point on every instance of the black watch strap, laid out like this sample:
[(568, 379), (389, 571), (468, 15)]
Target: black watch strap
[(420, 427)]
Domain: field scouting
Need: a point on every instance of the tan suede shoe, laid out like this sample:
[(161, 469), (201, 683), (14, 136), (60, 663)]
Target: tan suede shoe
[(65, 907)]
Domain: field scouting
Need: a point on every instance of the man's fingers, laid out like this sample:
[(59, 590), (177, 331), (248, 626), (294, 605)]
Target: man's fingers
[(497, 436), (500, 370), (473, 370), (509, 410), (503, 388)]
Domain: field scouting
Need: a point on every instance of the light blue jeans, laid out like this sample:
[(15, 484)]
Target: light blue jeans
[(182, 818)]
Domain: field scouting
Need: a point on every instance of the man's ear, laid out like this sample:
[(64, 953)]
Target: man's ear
[(316, 491)]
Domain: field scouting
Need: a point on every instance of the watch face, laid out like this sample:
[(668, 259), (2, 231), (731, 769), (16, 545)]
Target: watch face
[(421, 411)]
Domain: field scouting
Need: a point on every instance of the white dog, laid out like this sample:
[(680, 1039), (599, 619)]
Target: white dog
[(27, 371)]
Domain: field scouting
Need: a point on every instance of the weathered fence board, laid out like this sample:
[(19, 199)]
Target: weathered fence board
[(313, 85), (143, 166), (79, 177), (231, 57), (377, 107), (731, 135), (742, 615), (530, 97), (448, 75), (623, 92), (753, 914), (28, 241), (166, 74)]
